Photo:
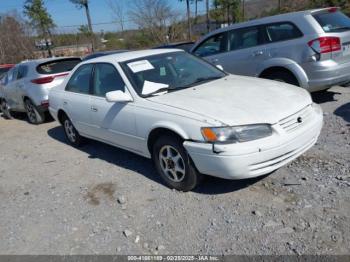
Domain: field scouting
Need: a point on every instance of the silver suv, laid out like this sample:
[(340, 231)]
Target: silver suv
[(25, 87), (310, 49)]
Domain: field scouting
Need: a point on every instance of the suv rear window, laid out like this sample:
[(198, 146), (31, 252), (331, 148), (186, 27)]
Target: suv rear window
[(57, 66), (333, 21)]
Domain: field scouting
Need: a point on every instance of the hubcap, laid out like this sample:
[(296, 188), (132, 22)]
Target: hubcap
[(31, 112), (68, 127), (172, 164)]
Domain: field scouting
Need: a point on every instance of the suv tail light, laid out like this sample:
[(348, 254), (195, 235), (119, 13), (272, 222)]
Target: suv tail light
[(46, 80), (325, 45)]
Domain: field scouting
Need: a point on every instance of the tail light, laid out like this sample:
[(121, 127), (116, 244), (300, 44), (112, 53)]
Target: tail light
[(46, 79), (325, 45), (45, 103)]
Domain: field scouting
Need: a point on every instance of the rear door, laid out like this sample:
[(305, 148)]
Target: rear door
[(112, 122), (77, 99), (9, 89)]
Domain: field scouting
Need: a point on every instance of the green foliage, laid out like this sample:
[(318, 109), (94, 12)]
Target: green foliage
[(84, 29), (80, 3), (227, 10), (39, 18)]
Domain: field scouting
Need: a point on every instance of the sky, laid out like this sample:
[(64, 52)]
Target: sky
[(68, 18)]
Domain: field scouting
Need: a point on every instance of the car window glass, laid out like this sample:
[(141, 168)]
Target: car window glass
[(57, 66), (282, 31), (333, 21), (12, 75), (243, 38), (107, 79), (22, 71), (213, 45), (80, 81)]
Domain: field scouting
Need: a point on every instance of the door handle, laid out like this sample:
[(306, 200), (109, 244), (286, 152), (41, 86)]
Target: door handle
[(94, 109), (65, 103), (258, 53)]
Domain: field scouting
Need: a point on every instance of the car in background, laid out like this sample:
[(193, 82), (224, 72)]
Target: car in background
[(187, 115), (310, 48), (26, 86), (103, 53), (4, 68), (186, 46)]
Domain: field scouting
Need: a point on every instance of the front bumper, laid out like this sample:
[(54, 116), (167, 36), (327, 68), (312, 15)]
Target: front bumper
[(255, 158)]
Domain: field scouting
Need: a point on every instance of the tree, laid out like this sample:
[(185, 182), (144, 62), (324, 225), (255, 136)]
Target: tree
[(85, 4), (40, 19), (118, 12), (15, 41), (188, 11), (228, 10), (196, 10), (156, 19), (207, 15)]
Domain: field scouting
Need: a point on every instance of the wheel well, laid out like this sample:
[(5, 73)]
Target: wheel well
[(25, 98), (60, 115), (158, 132), (274, 69)]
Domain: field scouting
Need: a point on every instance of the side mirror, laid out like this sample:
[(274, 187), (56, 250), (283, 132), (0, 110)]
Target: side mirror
[(220, 67), (118, 96)]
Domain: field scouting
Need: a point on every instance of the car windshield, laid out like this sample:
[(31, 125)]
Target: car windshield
[(333, 21), (168, 72)]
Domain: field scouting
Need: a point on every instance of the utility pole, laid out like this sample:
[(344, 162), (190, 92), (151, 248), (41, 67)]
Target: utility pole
[(243, 10), (207, 15)]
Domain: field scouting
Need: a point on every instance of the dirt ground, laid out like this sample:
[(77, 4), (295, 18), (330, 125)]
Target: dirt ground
[(56, 199)]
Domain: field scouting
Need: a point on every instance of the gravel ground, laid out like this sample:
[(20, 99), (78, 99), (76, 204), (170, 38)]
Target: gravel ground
[(55, 199)]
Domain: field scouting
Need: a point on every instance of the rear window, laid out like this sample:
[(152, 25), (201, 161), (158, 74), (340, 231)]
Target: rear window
[(333, 21), (4, 70), (57, 66)]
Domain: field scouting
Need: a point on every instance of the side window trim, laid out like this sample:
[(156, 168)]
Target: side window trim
[(90, 84), (261, 37), (266, 35), (225, 39), (92, 90)]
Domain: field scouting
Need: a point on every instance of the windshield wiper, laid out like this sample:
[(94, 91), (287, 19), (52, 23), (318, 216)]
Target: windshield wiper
[(202, 80)]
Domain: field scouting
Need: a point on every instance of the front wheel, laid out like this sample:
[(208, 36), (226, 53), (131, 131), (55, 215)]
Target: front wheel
[(174, 164), (34, 116)]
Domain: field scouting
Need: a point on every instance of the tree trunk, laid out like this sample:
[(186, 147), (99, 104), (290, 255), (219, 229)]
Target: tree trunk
[(207, 15), (243, 10), (189, 20), (87, 11), (195, 11)]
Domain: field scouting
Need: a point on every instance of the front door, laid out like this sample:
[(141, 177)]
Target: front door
[(112, 122)]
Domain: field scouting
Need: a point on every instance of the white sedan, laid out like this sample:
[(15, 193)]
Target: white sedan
[(190, 117)]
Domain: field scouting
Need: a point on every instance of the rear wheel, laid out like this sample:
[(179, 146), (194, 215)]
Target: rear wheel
[(34, 116), (174, 164), (5, 109), (71, 133), (282, 76)]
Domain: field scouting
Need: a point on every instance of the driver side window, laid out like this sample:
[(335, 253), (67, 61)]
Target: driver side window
[(107, 79), (213, 45)]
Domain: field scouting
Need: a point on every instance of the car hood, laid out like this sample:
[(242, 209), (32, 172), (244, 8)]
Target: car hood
[(238, 100)]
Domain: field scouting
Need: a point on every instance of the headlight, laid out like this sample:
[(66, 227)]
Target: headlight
[(234, 134)]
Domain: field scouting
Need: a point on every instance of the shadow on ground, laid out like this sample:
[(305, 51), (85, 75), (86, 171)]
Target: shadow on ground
[(324, 96), (344, 112), (143, 166)]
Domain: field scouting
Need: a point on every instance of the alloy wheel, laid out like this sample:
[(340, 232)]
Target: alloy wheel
[(172, 163), (70, 131)]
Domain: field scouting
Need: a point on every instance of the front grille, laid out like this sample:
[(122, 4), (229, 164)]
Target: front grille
[(298, 119)]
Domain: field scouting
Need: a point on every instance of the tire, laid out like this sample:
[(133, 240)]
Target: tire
[(5, 109), (72, 135), (174, 164), (34, 116), (282, 76)]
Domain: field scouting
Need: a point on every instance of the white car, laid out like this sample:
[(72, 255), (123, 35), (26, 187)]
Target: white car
[(25, 87), (190, 117)]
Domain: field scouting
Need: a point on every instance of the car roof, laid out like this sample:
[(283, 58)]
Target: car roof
[(125, 56), (271, 19), (44, 60)]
